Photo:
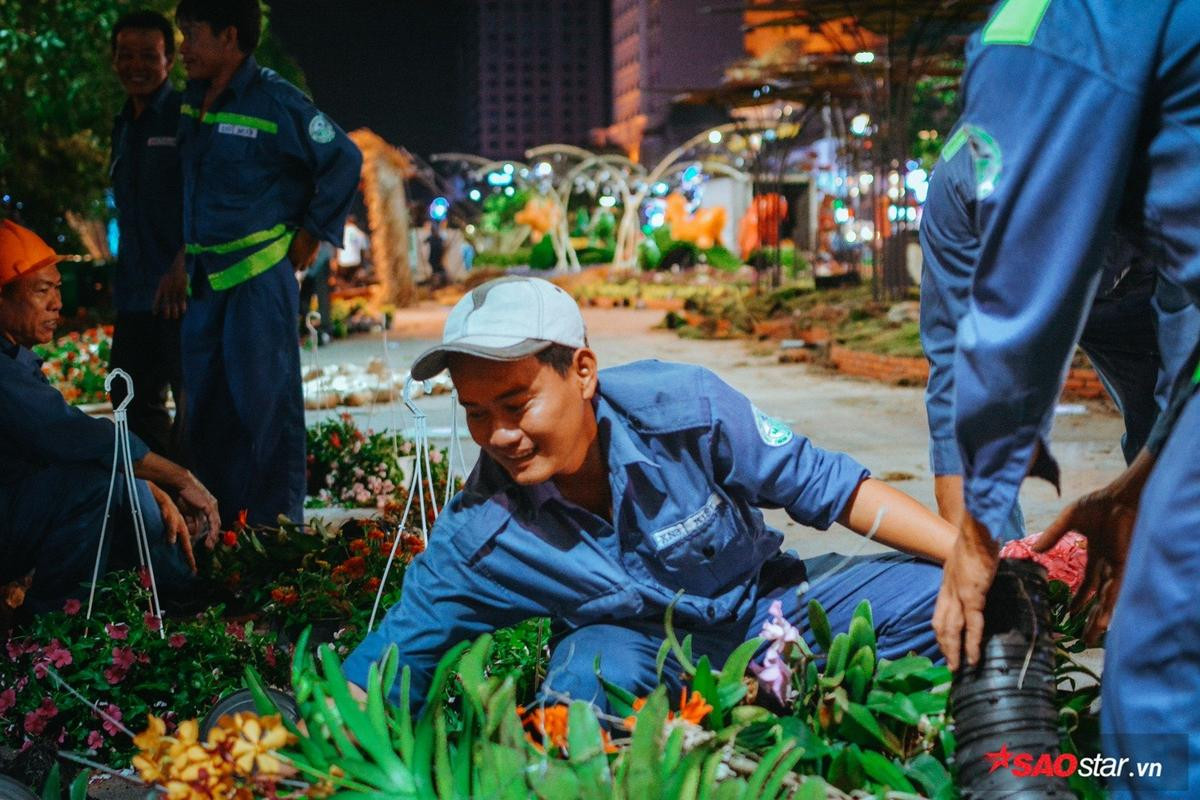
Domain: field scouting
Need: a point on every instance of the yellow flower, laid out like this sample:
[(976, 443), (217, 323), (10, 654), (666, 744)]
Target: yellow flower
[(255, 741)]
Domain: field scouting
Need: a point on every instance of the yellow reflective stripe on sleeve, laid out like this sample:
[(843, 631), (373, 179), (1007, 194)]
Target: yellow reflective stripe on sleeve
[(230, 118), (1016, 22), (258, 237), (252, 265)]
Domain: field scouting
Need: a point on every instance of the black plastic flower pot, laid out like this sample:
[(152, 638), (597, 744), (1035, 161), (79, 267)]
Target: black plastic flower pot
[(1007, 700), (243, 701)]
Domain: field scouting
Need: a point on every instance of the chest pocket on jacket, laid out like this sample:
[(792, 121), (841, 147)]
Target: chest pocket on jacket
[(239, 157), (703, 552)]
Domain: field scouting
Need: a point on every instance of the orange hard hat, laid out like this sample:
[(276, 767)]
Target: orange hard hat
[(22, 251)]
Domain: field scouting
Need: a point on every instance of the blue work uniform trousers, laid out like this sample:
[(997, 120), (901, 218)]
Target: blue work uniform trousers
[(1152, 656), (902, 591), (244, 422), (52, 522)]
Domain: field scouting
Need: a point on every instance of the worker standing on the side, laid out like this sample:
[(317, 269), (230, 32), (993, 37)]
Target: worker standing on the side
[(1093, 117), (266, 177), (150, 290)]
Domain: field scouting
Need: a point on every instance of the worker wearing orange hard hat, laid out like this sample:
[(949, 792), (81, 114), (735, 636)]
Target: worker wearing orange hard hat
[(54, 477)]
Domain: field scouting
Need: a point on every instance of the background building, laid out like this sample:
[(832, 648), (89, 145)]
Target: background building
[(534, 72), (659, 49)]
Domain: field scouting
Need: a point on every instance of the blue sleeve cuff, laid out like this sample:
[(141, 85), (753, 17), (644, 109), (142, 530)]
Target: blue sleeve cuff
[(944, 458)]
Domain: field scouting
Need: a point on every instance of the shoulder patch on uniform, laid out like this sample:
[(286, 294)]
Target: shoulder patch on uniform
[(320, 129), (772, 431)]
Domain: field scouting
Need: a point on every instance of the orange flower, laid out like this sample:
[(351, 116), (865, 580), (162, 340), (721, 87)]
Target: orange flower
[(375, 533), (229, 538), (638, 705), (240, 524), (550, 722), (359, 546), (694, 708)]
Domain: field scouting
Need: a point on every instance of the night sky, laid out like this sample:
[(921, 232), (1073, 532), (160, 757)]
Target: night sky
[(389, 65)]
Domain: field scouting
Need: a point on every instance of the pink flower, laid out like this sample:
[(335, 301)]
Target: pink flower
[(1066, 561), (118, 631), (8, 699), (35, 721), (236, 631), (775, 676), (176, 640), (58, 655), (152, 622), (72, 606), (115, 713), (34, 724), (95, 740), (16, 649), (778, 631), (123, 657)]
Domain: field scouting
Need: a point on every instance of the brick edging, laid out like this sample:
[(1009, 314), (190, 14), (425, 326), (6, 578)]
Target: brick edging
[(1081, 384)]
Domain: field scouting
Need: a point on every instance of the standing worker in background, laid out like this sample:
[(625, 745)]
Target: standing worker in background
[(266, 177), (150, 290), (353, 253), (1093, 117)]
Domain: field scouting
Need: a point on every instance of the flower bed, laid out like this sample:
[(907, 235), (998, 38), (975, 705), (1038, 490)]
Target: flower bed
[(77, 364), (122, 661), (351, 468), (844, 724)]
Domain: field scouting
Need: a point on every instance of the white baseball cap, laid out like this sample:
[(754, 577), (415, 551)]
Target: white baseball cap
[(506, 320)]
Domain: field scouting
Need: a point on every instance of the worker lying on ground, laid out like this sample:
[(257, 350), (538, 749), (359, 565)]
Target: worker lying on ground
[(57, 461), (600, 495)]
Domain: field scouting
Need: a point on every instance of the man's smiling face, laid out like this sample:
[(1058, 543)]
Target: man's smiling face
[(533, 421), (140, 60)]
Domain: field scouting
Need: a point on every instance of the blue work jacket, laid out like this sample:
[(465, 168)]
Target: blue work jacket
[(38, 428), (259, 164), (148, 191), (690, 462), (949, 237), (1091, 114)]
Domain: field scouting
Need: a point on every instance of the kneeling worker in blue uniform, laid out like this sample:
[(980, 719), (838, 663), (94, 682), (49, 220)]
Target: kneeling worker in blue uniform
[(55, 473), (601, 494)]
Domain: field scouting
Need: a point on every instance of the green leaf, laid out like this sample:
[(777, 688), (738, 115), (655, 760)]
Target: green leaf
[(52, 790), (705, 683), (766, 765), (846, 771), (933, 776), (681, 651), (835, 665), (898, 706), (739, 660), (901, 668), (862, 633), (79, 786), (585, 744), (643, 778), (882, 770), (620, 699), (813, 788), (818, 622), (860, 726), (556, 782), (683, 782)]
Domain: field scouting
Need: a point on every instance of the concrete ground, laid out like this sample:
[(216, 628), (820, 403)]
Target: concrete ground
[(882, 426)]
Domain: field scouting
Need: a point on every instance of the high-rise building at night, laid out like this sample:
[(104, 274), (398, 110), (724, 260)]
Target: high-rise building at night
[(537, 72), (661, 48)]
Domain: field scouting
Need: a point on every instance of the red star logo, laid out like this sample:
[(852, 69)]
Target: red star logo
[(1001, 758)]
